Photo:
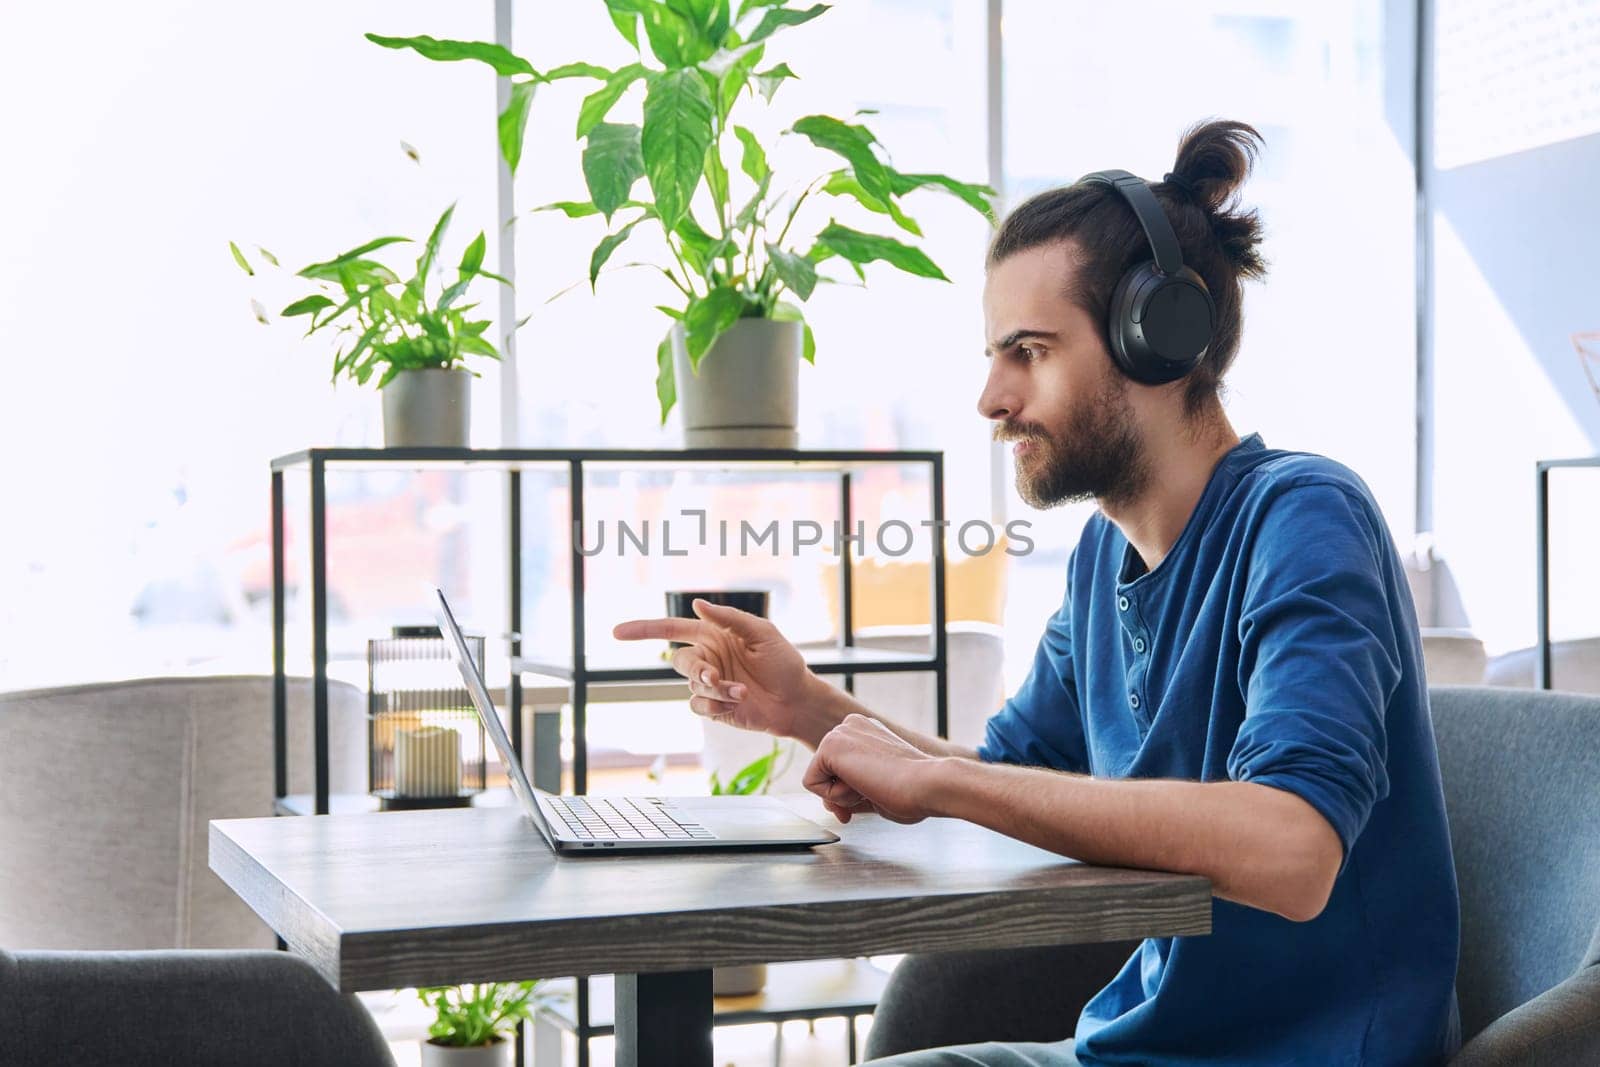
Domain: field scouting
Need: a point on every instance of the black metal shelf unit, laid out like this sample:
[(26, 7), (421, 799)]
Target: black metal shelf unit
[(576, 669)]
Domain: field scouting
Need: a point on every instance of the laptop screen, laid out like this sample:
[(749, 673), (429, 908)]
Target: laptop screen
[(457, 644)]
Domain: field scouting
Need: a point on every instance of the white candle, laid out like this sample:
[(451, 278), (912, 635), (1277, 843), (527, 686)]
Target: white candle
[(427, 762)]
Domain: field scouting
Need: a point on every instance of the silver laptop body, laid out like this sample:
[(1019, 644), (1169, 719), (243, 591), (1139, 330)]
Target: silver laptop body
[(592, 824)]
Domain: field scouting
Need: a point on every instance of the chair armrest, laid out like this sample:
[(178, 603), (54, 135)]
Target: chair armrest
[(1560, 1026), (957, 998), (196, 1006)]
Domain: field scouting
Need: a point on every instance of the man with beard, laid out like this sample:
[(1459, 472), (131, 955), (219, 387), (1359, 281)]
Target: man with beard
[(1232, 687)]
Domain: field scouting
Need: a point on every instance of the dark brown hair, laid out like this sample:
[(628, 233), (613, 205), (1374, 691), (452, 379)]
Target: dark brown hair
[(1219, 240)]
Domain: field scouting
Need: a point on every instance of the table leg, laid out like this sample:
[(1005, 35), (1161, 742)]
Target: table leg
[(664, 1019)]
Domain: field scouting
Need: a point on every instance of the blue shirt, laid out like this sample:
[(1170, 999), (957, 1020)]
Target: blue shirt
[(1276, 643)]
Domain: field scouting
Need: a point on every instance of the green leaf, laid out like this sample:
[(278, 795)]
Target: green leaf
[(625, 16), (362, 344), (577, 70), (612, 162), (754, 777), (747, 214), (666, 384), (598, 104), (513, 122), (453, 293), (238, 257), (767, 81), (677, 130), (854, 143), (572, 209), (844, 183), (716, 175), (609, 244), (858, 248), (784, 311), (306, 305), (268, 256), (779, 17), (719, 21), (478, 347), (734, 55), (796, 272), (979, 197), (350, 272), (503, 61), (327, 269), (697, 244), (707, 317), (677, 41), (730, 82), (430, 251), (755, 5), (472, 258), (754, 160), (700, 12)]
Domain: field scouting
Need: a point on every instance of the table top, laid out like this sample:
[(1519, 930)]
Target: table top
[(473, 895)]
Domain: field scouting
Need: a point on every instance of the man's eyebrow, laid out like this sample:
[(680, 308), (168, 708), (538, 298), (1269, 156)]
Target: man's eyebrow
[(1021, 335)]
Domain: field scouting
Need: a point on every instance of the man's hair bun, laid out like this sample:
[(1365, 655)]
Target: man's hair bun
[(1214, 159)]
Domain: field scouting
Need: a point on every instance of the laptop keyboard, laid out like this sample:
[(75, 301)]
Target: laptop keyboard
[(625, 819)]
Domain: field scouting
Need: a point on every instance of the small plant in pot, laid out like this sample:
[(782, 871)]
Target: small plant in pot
[(473, 1023), (413, 334), (753, 779), (732, 353)]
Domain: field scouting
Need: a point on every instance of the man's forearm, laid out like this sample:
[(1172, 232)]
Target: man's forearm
[(1259, 846), (825, 706)]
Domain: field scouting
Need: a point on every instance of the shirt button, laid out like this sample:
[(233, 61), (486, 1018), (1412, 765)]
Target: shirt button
[(1138, 644), (1122, 603), (1133, 700)]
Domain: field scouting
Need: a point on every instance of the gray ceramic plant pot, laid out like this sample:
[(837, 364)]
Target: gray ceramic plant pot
[(427, 408), (495, 1055), (747, 391), (738, 981)]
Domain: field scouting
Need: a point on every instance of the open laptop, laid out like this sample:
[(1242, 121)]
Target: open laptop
[(598, 824)]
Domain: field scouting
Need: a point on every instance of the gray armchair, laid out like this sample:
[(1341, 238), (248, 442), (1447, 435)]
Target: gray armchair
[(242, 1009), (107, 791), (1523, 796)]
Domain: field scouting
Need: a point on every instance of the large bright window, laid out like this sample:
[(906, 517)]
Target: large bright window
[(1327, 362), (142, 400)]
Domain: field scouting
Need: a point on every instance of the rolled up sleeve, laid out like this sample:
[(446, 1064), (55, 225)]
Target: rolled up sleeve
[(1319, 656)]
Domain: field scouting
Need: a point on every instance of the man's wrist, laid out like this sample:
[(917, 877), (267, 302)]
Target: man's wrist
[(819, 708), (946, 784)]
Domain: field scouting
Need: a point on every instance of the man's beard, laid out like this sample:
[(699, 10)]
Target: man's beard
[(1096, 455)]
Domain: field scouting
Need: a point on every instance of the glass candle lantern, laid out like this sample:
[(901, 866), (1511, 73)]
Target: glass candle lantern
[(424, 738)]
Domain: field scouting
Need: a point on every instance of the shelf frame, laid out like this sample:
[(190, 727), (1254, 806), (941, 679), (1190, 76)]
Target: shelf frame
[(577, 672)]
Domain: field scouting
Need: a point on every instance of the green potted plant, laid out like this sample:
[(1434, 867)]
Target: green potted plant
[(413, 334), (752, 779), (732, 352), (473, 1023)]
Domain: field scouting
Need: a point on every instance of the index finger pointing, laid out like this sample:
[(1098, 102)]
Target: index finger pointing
[(689, 630)]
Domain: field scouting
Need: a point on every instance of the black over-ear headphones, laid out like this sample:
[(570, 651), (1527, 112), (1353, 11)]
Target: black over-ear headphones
[(1161, 312)]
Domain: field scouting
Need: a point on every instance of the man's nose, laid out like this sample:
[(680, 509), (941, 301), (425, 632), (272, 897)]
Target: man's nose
[(998, 400)]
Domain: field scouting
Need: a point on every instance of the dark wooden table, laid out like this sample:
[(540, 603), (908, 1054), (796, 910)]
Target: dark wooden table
[(475, 895)]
